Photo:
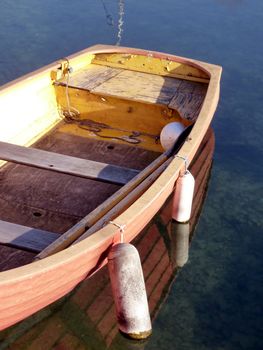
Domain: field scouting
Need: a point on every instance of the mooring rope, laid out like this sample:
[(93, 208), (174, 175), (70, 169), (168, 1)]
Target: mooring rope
[(72, 112), (120, 22)]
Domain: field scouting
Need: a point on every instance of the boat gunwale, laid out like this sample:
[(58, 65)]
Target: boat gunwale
[(161, 188)]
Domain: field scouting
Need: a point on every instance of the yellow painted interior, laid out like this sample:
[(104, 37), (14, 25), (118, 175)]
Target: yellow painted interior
[(121, 117), (77, 63), (124, 116), (149, 64)]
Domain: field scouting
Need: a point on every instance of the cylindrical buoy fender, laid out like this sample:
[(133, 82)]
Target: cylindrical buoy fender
[(129, 291), (180, 242), (183, 197)]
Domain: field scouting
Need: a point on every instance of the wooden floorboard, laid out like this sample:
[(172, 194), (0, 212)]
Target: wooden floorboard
[(47, 200), (118, 154), (13, 257)]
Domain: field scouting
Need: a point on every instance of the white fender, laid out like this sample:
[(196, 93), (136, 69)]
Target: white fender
[(129, 291), (183, 197)]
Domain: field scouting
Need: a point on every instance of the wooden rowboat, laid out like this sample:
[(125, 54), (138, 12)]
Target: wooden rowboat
[(96, 170)]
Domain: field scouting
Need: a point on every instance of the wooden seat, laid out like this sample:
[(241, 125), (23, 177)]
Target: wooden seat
[(66, 164), (182, 95), (24, 237)]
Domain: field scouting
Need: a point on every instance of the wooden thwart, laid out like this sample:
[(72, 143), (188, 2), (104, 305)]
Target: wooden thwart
[(140, 87), (24, 237), (184, 96), (91, 77), (66, 164)]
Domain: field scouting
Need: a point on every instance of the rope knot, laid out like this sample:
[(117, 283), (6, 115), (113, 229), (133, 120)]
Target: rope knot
[(185, 162), (121, 228)]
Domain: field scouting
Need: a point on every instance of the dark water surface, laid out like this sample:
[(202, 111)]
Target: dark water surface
[(216, 301)]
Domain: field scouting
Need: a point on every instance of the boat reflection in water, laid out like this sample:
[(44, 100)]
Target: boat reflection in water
[(86, 317)]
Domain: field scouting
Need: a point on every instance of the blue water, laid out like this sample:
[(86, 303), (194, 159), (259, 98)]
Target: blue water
[(216, 301)]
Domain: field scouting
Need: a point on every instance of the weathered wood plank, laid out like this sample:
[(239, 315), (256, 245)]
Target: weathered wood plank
[(188, 105), (188, 99), (131, 85), (25, 237), (140, 87), (90, 77), (66, 164)]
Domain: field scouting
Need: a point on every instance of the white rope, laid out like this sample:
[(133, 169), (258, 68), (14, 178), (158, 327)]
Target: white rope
[(120, 22), (121, 227), (72, 112)]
